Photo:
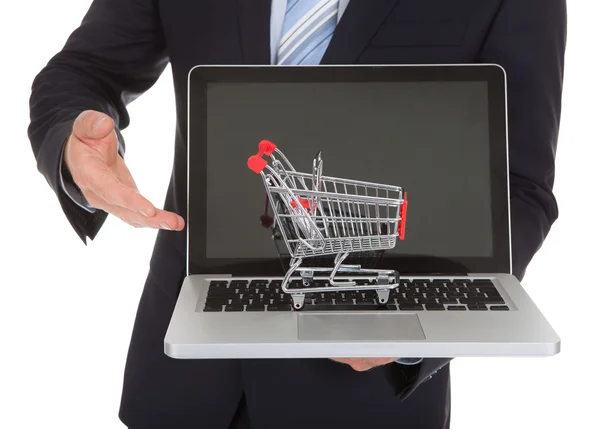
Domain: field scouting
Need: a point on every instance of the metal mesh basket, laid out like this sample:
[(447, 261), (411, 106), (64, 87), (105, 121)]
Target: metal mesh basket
[(318, 216)]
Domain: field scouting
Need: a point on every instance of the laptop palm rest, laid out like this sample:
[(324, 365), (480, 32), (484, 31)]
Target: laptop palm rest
[(359, 327)]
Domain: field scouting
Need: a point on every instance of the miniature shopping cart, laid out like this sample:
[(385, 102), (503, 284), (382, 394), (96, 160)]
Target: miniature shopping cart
[(318, 215)]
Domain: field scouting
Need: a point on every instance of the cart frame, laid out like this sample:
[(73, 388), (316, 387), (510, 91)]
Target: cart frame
[(320, 215)]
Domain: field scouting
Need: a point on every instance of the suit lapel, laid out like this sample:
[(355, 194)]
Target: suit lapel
[(254, 18), (360, 21)]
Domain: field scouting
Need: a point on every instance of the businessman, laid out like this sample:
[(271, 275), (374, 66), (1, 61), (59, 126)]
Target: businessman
[(78, 110)]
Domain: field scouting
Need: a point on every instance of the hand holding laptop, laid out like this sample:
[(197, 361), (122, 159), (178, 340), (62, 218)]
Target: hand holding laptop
[(365, 364), (91, 155)]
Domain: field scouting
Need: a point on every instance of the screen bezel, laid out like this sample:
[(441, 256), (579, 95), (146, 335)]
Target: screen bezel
[(495, 76)]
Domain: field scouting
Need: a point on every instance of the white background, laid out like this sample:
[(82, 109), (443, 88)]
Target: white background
[(66, 310)]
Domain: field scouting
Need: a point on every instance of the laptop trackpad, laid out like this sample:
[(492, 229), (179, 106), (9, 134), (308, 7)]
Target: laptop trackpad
[(359, 327)]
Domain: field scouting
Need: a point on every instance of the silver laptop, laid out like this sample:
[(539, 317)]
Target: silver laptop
[(313, 252)]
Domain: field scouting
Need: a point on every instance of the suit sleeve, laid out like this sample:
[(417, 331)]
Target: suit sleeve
[(116, 54), (528, 39)]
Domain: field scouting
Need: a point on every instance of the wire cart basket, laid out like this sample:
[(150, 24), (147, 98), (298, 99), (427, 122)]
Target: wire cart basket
[(319, 215)]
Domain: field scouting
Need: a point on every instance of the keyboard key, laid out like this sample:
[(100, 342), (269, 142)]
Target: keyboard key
[(494, 300), (217, 300), (295, 284), (483, 283), (279, 307), (414, 295), (213, 307), (490, 292), (221, 291), (472, 286), (477, 307), (455, 295), (499, 308), (480, 300), (346, 307), (239, 283), (411, 307), (286, 298), (370, 294), (457, 283), (255, 307), (475, 295), (434, 307), (456, 308), (234, 307)]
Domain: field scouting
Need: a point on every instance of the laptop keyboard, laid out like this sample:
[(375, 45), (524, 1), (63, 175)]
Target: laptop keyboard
[(417, 295)]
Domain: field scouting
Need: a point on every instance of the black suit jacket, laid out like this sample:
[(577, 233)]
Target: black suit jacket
[(120, 50)]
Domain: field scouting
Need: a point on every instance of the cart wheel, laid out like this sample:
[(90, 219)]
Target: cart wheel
[(383, 296), (298, 300), (266, 221)]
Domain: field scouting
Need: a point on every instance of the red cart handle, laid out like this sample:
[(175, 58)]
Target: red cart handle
[(402, 226), (255, 162)]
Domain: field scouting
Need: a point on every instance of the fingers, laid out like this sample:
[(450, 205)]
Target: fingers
[(104, 184), (162, 219), (364, 364), (93, 125)]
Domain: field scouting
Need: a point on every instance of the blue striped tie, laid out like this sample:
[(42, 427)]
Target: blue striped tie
[(307, 30)]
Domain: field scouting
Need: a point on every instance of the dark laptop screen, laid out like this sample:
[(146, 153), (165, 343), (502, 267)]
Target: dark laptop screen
[(430, 137)]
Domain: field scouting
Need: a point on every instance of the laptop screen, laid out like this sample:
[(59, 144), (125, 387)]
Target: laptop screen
[(432, 137)]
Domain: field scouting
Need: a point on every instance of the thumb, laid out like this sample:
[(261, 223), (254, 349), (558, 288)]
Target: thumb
[(93, 125)]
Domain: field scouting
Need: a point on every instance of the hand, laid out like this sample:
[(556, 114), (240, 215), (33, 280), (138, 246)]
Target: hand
[(365, 364), (91, 155)]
